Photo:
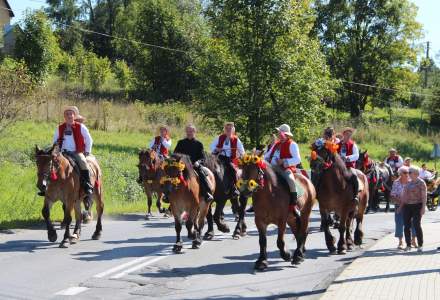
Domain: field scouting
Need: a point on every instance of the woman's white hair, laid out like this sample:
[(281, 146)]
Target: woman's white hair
[(403, 169), (414, 170)]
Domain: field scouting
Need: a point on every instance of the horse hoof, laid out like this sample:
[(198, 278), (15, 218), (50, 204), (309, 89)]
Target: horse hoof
[(223, 228), (177, 248), (286, 256), (86, 218), (73, 239), (236, 235), (52, 236), (196, 244), (96, 235), (342, 251), (261, 265), (296, 260), (350, 248), (208, 236), (64, 244)]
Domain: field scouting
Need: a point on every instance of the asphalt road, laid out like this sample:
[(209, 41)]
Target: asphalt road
[(133, 260)]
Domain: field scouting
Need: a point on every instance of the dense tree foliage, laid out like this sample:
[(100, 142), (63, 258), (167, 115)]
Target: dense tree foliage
[(369, 42)]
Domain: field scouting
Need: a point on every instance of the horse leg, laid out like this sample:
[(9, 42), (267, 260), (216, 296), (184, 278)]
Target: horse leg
[(177, 248), (329, 239), (348, 231), (284, 253), (358, 233), (78, 219), (387, 200), (68, 218), (235, 205), (209, 235), (51, 232), (149, 203), (189, 224), (240, 229), (203, 211), (99, 210), (261, 263), (159, 203), (218, 219), (342, 242), (63, 223)]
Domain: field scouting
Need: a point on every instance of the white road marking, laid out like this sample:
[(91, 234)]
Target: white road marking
[(138, 267), (122, 266), (72, 291)]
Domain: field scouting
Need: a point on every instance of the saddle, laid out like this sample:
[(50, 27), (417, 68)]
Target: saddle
[(283, 182), (72, 162)]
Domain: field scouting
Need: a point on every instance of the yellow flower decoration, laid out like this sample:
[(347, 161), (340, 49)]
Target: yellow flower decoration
[(252, 185), (247, 159), (256, 159), (239, 183), (173, 180)]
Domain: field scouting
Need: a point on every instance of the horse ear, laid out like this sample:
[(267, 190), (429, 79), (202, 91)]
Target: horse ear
[(37, 149)]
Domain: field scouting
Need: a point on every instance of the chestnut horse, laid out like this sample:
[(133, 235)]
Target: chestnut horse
[(63, 183), (186, 200), (335, 194), (270, 198), (150, 173)]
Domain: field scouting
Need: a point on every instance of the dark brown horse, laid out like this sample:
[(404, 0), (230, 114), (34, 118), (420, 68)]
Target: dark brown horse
[(62, 182), (224, 183), (335, 194), (150, 173), (270, 198), (186, 199)]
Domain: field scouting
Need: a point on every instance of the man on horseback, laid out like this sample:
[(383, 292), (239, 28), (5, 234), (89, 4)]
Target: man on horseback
[(394, 160), (73, 139), (284, 156), (349, 153), (161, 143), (194, 149), (229, 149)]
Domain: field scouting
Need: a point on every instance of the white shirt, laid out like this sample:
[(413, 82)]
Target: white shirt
[(395, 165), (288, 162), (424, 174), (69, 141), (166, 143), (227, 147), (353, 157)]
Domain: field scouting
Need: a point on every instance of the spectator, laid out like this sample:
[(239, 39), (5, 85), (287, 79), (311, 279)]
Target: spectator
[(407, 161), (413, 203), (424, 173), (394, 160)]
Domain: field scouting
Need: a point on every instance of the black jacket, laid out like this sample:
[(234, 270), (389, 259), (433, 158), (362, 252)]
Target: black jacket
[(193, 148)]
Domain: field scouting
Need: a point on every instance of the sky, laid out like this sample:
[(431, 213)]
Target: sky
[(427, 15)]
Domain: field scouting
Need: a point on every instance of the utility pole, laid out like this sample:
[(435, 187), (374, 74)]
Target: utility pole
[(426, 67)]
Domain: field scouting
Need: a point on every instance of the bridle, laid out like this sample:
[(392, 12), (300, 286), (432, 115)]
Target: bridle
[(49, 174)]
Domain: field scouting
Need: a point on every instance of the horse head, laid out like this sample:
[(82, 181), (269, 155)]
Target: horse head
[(323, 156), (177, 170), (149, 164), (45, 160), (363, 161), (252, 176)]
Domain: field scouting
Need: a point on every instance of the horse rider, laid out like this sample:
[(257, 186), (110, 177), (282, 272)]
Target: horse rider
[(161, 143), (394, 160), (74, 139), (284, 157), (349, 153), (194, 149), (229, 149)]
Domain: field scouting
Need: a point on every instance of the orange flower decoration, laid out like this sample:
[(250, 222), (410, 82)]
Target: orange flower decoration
[(332, 147)]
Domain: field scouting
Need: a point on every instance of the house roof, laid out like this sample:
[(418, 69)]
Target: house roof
[(11, 13)]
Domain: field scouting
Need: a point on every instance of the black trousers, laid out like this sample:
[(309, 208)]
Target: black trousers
[(411, 213)]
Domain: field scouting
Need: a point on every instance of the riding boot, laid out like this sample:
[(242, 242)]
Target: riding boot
[(88, 188), (293, 204), (206, 189), (355, 183)]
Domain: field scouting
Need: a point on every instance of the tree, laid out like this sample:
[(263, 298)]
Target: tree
[(123, 75), (37, 45), (15, 86), (98, 70), (368, 42), (168, 33), (65, 15), (261, 69)]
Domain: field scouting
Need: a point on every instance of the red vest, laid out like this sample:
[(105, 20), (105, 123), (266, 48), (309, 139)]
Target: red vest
[(348, 151), (77, 136), (234, 141), (158, 144), (284, 149)]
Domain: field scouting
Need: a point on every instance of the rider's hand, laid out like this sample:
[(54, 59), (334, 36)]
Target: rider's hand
[(86, 154)]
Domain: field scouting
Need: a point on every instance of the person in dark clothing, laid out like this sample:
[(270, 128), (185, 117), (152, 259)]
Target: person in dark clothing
[(194, 149)]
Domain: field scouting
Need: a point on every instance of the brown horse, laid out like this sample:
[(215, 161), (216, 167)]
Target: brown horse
[(335, 194), (60, 180), (270, 198), (186, 200), (150, 173)]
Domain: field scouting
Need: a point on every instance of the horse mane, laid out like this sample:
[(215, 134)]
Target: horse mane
[(340, 165), (271, 176), (214, 165), (189, 172)]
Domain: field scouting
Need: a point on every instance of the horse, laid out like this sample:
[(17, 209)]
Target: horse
[(223, 192), (380, 179), (270, 199), (335, 194), (150, 173), (63, 183), (186, 199)]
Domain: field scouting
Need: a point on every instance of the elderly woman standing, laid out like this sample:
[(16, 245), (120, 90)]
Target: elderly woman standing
[(396, 195), (413, 202)]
